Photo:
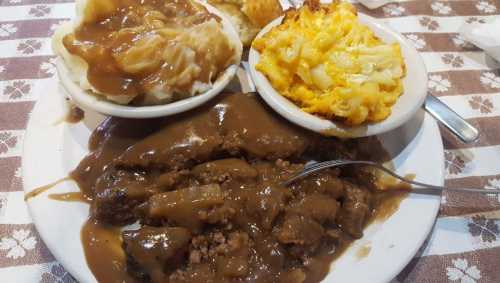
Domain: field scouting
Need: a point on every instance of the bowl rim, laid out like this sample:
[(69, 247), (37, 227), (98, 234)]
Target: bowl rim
[(294, 114), (89, 101)]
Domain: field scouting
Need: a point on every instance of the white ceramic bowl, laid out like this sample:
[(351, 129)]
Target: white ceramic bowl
[(415, 90), (89, 101)]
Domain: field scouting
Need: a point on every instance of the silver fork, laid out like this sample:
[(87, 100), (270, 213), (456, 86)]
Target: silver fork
[(423, 188)]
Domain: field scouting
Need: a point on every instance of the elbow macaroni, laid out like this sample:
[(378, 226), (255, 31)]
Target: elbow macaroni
[(331, 65)]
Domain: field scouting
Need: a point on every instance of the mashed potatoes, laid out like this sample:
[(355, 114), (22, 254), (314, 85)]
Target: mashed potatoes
[(329, 64), (145, 52)]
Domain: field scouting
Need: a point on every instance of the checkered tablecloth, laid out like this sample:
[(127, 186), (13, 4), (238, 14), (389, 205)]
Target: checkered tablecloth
[(465, 243)]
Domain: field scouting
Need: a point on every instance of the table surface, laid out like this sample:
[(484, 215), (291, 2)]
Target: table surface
[(465, 243)]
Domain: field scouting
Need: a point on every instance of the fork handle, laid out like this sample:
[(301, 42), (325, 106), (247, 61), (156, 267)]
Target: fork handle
[(427, 188), (450, 119)]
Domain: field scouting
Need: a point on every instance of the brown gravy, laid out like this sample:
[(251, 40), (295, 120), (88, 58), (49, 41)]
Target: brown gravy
[(75, 115), (43, 189), (205, 186), (388, 203), (71, 197), (104, 253), (134, 47), (364, 251), (100, 256)]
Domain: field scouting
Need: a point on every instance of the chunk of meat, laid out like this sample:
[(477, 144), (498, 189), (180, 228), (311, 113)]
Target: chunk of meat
[(273, 254), (179, 143), (157, 250), (264, 204), (301, 230), (117, 193), (246, 131), (224, 169), (355, 210), (183, 206), (107, 142), (235, 262), (170, 180), (325, 182), (320, 207)]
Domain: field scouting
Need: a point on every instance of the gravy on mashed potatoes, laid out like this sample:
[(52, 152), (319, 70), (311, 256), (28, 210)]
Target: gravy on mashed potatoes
[(145, 52)]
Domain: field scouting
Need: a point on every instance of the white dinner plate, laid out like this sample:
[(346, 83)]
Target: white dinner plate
[(414, 83), (52, 149)]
